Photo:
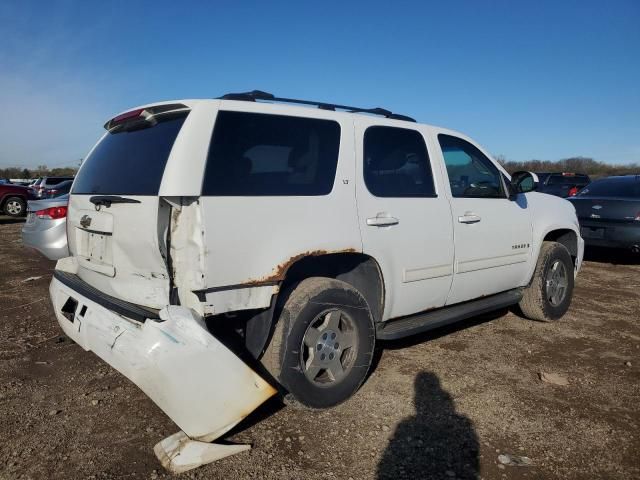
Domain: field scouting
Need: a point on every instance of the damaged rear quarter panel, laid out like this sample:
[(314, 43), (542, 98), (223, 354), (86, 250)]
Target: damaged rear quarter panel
[(253, 240)]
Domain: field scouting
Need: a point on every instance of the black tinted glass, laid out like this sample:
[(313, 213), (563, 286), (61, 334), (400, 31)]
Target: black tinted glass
[(609, 187), (129, 162), (567, 180), (56, 180), (471, 173), (396, 163), (255, 154)]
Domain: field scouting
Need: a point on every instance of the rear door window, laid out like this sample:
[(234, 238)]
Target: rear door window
[(130, 162), (396, 163), (256, 154)]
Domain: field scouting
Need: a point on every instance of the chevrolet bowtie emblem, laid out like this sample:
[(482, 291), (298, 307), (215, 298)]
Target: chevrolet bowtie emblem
[(85, 221)]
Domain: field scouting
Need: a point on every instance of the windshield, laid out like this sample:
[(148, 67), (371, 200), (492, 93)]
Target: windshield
[(130, 162), (610, 187)]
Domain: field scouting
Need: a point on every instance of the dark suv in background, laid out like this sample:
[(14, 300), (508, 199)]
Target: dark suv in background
[(563, 185)]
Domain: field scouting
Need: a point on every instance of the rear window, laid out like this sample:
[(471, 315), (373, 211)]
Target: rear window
[(56, 180), (255, 154), (568, 180), (130, 162), (609, 187)]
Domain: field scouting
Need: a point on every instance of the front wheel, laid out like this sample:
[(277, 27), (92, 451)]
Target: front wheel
[(548, 297), (15, 207), (322, 345)]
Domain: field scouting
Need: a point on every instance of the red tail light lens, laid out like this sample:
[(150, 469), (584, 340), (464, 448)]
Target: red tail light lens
[(573, 191), (126, 116), (53, 213)]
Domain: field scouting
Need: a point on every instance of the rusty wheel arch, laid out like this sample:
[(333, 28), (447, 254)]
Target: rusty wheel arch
[(357, 269)]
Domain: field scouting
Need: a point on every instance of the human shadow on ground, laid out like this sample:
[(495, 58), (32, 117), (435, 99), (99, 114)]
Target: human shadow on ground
[(435, 443)]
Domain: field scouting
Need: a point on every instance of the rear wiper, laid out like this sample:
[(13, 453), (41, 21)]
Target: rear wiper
[(107, 200)]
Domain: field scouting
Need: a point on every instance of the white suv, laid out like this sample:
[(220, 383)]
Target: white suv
[(223, 250)]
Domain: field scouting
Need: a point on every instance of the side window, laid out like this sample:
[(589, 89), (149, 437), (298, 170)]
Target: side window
[(396, 163), (256, 154), (471, 173)]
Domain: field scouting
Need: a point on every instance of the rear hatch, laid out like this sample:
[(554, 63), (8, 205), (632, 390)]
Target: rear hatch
[(116, 223)]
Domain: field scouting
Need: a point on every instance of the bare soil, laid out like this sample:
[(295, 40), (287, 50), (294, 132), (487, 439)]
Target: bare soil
[(442, 405)]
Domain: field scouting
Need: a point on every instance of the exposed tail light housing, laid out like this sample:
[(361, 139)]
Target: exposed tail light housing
[(52, 213)]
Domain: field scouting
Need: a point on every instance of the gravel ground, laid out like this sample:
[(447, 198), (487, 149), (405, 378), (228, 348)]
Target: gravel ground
[(449, 404)]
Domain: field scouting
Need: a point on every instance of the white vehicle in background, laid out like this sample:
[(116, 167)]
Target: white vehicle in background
[(226, 250)]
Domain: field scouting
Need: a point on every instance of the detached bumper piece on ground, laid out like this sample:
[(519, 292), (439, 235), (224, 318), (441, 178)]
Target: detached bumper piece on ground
[(197, 381)]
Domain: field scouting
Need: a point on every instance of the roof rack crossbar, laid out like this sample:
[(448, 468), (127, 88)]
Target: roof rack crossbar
[(264, 96)]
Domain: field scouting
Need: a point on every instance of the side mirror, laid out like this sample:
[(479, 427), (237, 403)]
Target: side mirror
[(524, 182)]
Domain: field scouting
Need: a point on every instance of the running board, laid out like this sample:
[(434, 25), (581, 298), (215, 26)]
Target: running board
[(422, 322)]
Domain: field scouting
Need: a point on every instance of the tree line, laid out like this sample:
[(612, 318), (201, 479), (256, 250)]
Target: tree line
[(39, 171), (591, 167)]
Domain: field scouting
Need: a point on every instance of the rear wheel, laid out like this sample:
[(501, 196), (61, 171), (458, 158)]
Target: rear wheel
[(549, 295), (15, 207), (322, 346)]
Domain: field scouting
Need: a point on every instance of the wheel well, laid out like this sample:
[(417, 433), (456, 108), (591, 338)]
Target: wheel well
[(8, 196), (247, 332), (566, 237), (358, 270)]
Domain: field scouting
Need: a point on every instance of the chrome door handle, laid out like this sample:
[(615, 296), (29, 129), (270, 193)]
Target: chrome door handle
[(469, 217), (382, 220)]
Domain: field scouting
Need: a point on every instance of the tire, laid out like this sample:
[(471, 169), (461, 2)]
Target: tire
[(15, 207), (323, 313), (542, 300)]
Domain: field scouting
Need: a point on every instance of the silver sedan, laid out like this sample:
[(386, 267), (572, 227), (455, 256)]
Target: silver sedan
[(46, 227)]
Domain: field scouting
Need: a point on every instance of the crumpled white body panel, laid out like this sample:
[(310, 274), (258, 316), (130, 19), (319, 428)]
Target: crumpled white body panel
[(178, 453), (197, 381)]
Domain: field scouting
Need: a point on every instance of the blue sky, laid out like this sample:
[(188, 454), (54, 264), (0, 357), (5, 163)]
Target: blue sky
[(536, 79)]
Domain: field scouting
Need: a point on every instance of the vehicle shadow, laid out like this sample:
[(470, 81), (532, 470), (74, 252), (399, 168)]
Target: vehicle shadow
[(612, 256), (436, 442), (11, 220)]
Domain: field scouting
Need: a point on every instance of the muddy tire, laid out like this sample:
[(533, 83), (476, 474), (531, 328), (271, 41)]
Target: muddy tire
[(15, 207), (548, 297), (322, 345)]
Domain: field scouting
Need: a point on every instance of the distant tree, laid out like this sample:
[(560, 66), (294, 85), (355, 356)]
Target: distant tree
[(591, 167)]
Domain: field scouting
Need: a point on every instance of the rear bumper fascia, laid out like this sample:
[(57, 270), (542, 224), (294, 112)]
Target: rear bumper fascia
[(50, 242), (196, 380), (616, 234)]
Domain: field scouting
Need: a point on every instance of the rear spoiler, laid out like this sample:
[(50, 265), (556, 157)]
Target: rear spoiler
[(144, 115)]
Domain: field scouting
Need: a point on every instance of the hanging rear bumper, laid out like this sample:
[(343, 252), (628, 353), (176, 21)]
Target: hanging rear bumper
[(196, 380)]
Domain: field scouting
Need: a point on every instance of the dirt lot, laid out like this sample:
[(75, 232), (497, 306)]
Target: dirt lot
[(444, 405)]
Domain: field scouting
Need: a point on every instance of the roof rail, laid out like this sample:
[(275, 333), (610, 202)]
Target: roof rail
[(264, 96)]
